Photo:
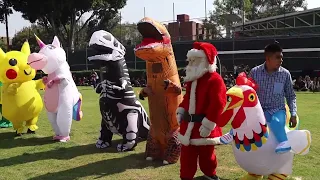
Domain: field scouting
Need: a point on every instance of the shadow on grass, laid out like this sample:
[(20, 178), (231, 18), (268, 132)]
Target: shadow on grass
[(204, 178), (8, 140), (62, 153), (101, 168)]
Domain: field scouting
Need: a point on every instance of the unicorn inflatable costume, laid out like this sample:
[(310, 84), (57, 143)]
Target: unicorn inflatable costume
[(62, 99)]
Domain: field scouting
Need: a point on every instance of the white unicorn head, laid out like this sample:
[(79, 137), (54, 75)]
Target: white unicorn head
[(50, 57)]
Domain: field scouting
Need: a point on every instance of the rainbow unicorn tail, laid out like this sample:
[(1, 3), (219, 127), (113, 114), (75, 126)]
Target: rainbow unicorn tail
[(77, 111)]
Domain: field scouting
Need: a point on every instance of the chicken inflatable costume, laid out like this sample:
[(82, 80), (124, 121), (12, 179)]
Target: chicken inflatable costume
[(21, 101), (199, 112), (62, 98), (253, 142)]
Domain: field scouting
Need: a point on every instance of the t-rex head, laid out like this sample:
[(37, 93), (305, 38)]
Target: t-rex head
[(156, 43)]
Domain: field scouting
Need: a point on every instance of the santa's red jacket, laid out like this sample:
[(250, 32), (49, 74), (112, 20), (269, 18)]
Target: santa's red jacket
[(206, 96)]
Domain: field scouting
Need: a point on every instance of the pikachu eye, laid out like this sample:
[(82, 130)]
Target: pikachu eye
[(252, 97)]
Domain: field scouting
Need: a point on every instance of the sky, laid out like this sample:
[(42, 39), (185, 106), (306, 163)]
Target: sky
[(161, 10)]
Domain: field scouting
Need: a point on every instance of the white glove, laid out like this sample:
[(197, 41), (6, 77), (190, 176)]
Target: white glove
[(179, 118), (204, 132)]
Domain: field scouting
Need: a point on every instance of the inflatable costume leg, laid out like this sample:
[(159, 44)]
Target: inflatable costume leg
[(18, 126), (277, 123), (143, 124), (64, 121), (4, 123), (131, 131), (32, 125), (172, 152), (152, 148), (251, 176), (105, 138), (277, 177), (208, 161), (53, 120), (188, 162)]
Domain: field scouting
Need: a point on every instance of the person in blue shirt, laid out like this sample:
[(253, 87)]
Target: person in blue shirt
[(274, 86)]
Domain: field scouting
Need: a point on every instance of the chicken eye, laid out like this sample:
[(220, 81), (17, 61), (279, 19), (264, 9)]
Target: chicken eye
[(252, 97)]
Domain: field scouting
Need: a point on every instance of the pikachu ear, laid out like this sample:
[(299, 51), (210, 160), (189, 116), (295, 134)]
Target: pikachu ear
[(26, 48), (2, 54)]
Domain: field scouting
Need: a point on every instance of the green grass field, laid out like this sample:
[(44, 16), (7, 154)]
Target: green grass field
[(37, 157)]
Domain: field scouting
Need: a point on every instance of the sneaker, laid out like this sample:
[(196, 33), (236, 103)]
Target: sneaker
[(61, 138), (226, 139), (283, 147), (215, 177), (56, 137)]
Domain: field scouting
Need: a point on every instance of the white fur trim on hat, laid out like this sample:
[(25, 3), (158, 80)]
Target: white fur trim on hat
[(213, 67), (208, 124), (196, 53)]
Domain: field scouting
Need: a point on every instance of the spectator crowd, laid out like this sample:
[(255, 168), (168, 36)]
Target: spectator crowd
[(300, 84), (306, 84)]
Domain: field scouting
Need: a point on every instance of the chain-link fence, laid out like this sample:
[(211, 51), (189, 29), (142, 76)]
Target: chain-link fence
[(303, 54)]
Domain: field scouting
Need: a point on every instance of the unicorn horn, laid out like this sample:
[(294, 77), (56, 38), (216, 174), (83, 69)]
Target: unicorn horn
[(40, 43)]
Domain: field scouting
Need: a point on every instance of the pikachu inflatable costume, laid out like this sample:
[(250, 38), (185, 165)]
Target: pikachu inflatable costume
[(21, 102)]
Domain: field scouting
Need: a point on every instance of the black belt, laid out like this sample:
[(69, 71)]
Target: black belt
[(193, 117)]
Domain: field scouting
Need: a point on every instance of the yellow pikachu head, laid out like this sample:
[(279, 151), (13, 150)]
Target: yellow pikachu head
[(14, 65)]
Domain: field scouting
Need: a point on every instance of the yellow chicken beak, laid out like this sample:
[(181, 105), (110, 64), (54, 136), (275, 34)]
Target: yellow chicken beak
[(234, 98)]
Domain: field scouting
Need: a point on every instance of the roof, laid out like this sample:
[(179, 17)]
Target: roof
[(287, 15)]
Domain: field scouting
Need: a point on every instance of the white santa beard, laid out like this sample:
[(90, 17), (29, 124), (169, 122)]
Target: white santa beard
[(196, 72)]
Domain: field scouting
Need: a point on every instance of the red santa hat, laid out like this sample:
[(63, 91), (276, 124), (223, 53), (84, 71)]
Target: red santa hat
[(207, 51)]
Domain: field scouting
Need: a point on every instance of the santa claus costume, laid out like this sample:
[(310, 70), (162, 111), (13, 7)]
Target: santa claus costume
[(199, 112)]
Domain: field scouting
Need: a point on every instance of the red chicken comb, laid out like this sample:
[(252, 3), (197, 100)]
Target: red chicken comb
[(243, 80)]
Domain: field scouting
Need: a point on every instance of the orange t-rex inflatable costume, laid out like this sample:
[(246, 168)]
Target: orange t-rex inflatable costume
[(163, 91)]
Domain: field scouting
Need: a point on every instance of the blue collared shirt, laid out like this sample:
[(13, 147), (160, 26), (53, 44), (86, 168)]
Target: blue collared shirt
[(274, 88)]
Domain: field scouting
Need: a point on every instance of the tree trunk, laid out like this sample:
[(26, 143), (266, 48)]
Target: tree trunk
[(71, 31), (7, 27)]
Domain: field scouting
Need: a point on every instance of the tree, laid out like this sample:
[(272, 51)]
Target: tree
[(267, 8), (220, 17), (127, 33), (27, 33), (3, 44), (106, 23), (5, 11), (61, 17), (212, 27)]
